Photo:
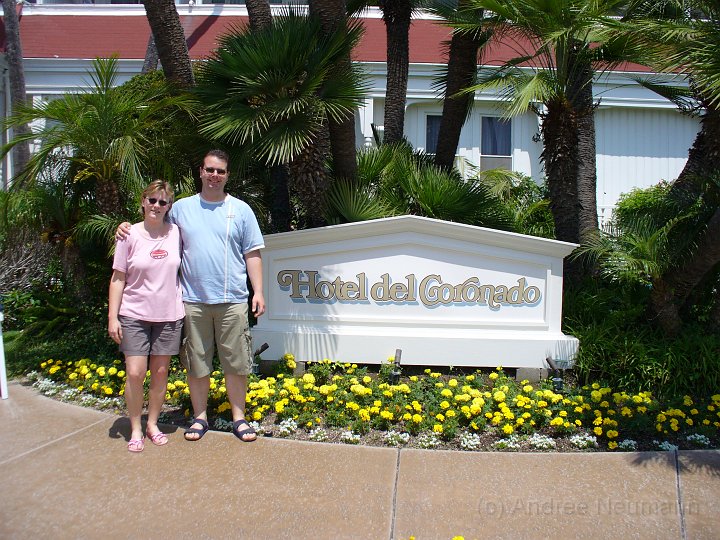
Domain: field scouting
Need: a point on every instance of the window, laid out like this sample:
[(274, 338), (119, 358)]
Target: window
[(496, 144), (432, 129)]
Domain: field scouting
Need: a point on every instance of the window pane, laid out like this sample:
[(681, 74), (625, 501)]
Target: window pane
[(487, 163), (432, 129), (495, 136)]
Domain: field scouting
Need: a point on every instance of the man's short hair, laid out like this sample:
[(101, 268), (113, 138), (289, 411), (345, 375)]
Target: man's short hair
[(220, 154)]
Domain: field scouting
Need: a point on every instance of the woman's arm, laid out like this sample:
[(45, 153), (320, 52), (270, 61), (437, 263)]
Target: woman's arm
[(117, 285)]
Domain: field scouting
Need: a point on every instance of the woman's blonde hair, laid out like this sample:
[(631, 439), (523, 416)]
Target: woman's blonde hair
[(154, 186)]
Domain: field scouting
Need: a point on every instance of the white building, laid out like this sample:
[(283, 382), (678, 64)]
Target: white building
[(641, 138)]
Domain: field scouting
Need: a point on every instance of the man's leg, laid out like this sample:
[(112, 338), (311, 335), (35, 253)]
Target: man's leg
[(233, 342), (197, 356), (236, 386), (199, 388)]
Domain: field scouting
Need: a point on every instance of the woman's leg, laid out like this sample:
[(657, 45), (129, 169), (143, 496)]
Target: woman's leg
[(135, 369), (158, 387)]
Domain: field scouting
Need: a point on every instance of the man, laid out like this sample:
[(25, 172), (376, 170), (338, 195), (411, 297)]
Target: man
[(221, 242)]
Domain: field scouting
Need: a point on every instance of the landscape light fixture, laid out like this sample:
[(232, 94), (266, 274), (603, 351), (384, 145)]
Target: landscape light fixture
[(557, 380), (395, 373), (256, 358)]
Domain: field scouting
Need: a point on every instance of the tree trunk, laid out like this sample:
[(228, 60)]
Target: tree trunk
[(559, 132), (703, 159), (332, 15), (560, 156), (310, 179), (581, 98), (396, 14), (259, 14), (280, 213), (151, 56), (170, 41), (664, 312), (461, 73), (13, 54)]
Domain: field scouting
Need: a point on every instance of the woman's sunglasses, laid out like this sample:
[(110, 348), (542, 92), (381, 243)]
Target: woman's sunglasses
[(153, 200)]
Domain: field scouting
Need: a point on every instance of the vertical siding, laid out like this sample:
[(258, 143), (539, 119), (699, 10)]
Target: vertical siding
[(639, 148)]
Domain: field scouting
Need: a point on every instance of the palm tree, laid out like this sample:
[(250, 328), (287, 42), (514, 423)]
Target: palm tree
[(397, 15), (460, 73), (684, 36), (556, 72), (13, 54), (170, 41), (332, 15), (259, 14), (273, 92), (393, 181), (109, 139)]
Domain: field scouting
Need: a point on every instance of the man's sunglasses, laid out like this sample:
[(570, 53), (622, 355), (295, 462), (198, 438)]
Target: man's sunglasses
[(211, 170), (153, 200)]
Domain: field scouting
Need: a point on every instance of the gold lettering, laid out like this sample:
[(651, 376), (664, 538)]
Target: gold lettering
[(425, 290), (411, 287), (398, 292), (291, 278), (515, 294), (347, 290), (486, 294), (380, 291), (535, 295), (499, 296), (432, 291), (362, 282)]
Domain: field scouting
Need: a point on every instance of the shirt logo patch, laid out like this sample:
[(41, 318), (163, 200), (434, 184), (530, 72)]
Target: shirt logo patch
[(158, 254)]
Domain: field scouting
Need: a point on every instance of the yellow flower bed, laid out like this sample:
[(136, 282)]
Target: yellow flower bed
[(346, 396)]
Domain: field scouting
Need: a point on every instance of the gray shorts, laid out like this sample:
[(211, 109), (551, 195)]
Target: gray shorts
[(224, 326), (142, 338)]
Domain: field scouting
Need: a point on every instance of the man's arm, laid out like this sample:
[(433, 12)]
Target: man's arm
[(253, 262)]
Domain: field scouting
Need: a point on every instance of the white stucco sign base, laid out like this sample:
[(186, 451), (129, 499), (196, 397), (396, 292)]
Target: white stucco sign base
[(444, 293)]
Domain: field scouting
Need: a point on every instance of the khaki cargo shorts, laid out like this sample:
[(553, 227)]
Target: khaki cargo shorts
[(224, 326)]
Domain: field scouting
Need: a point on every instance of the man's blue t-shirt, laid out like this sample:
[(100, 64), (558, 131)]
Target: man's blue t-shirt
[(215, 236)]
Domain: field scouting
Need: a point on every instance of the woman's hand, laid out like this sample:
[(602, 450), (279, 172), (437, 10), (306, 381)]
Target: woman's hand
[(115, 330)]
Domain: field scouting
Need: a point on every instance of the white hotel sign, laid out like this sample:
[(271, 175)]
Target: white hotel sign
[(444, 293)]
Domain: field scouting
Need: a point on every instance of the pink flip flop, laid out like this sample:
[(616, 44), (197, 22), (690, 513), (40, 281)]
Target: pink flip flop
[(136, 445), (159, 439)]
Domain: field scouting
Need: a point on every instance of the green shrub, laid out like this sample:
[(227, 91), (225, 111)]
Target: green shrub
[(621, 348)]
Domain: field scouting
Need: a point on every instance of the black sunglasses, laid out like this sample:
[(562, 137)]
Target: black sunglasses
[(211, 170), (153, 200)]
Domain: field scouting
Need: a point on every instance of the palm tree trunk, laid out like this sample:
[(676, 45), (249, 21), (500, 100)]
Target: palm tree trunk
[(14, 56), (170, 41), (703, 159), (151, 56), (581, 98), (280, 214), (259, 14), (560, 157), (461, 74), (397, 15), (310, 180), (332, 14)]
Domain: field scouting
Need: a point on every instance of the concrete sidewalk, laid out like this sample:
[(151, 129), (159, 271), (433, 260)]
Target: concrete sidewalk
[(65, 473)]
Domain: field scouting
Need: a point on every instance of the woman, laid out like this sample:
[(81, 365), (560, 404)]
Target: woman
[(145, 313)]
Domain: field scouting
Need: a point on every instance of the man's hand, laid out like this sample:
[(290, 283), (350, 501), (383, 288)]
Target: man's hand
[(258, 304), (123, 231)]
